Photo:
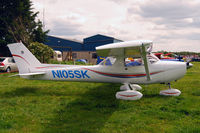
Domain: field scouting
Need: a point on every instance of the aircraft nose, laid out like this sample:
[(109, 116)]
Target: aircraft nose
[(174, 70), (189, 65)]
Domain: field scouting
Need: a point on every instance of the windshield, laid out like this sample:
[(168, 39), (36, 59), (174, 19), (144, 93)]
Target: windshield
[(152, 58)]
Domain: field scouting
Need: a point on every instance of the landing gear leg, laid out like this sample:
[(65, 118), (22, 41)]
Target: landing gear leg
[(134, 87), (169, 85), (125, 87), (128, 93), (170, 91)]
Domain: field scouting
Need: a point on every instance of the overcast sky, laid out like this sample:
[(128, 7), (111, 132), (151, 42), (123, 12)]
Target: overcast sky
[(172, 25)]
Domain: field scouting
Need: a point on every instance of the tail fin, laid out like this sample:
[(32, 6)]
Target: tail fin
[(25, 60)]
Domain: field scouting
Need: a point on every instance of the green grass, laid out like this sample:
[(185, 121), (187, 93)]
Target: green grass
[(54, 107)]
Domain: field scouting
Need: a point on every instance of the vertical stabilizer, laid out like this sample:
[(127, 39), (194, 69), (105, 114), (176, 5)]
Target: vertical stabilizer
[(25, 60)]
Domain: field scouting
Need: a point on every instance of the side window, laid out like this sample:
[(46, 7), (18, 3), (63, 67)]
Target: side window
[(9, 60), (130, 62), (109, 61), (13, 61), (2, 59)]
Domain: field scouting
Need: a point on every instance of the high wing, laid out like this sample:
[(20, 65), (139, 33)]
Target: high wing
[(127, 49)]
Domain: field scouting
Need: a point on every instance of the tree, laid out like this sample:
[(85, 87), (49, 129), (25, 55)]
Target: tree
[(38, 34), (18, 23), (42, 52)]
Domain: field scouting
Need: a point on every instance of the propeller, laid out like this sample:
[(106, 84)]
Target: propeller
[(188, 64)]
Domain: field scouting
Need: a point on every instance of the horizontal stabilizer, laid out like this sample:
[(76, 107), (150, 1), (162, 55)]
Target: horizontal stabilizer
[(29, 74), (32, 74)]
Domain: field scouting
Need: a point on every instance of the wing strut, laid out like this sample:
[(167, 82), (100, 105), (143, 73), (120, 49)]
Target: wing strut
[(146, 66)]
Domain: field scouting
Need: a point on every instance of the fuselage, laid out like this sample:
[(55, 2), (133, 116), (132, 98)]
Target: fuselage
[(143, 68), (160, 72)]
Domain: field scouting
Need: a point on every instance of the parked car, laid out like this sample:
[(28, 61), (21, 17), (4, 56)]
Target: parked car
[(8, 64)]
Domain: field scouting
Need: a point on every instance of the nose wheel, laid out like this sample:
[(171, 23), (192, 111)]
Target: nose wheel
[(170, 91)]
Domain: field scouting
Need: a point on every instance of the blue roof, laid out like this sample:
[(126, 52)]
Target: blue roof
[(97, 37), (97, 40), (88, 44), (63, 44)]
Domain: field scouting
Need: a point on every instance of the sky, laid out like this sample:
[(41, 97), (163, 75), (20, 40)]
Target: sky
[(172, 25)]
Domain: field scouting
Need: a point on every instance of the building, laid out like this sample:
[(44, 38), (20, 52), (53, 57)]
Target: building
[(66, 46), (73, 49)]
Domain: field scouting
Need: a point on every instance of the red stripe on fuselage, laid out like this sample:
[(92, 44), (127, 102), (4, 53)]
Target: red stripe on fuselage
[(125, 75)]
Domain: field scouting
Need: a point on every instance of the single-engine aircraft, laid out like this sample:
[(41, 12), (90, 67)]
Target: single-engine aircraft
[(147, 69)]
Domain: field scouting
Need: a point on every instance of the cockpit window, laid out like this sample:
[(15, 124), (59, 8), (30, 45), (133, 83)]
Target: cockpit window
[(109, 61), (129, 62), (133, 62)]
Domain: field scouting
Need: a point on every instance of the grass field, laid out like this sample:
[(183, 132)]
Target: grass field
[(54, 107)]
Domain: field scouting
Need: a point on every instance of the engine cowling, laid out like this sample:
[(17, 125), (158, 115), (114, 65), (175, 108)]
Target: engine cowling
[(129, 95)]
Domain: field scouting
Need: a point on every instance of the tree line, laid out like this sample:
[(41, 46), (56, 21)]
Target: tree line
[(183, 53), (20, 24)]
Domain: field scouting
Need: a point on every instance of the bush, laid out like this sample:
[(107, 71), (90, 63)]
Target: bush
[(41, 51)]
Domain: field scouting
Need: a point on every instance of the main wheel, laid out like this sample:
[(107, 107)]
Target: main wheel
[(128, 95), (8, 69)]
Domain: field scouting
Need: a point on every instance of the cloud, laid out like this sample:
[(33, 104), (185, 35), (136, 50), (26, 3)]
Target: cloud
[(173, 13), (65, 29), (193, 36), (119, 1), (171, 24), (189, 36)]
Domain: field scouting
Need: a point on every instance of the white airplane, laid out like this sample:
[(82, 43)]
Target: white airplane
[(145, 69)]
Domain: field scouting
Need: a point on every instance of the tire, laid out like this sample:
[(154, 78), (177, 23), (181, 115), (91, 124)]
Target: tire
[(8, 70)]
